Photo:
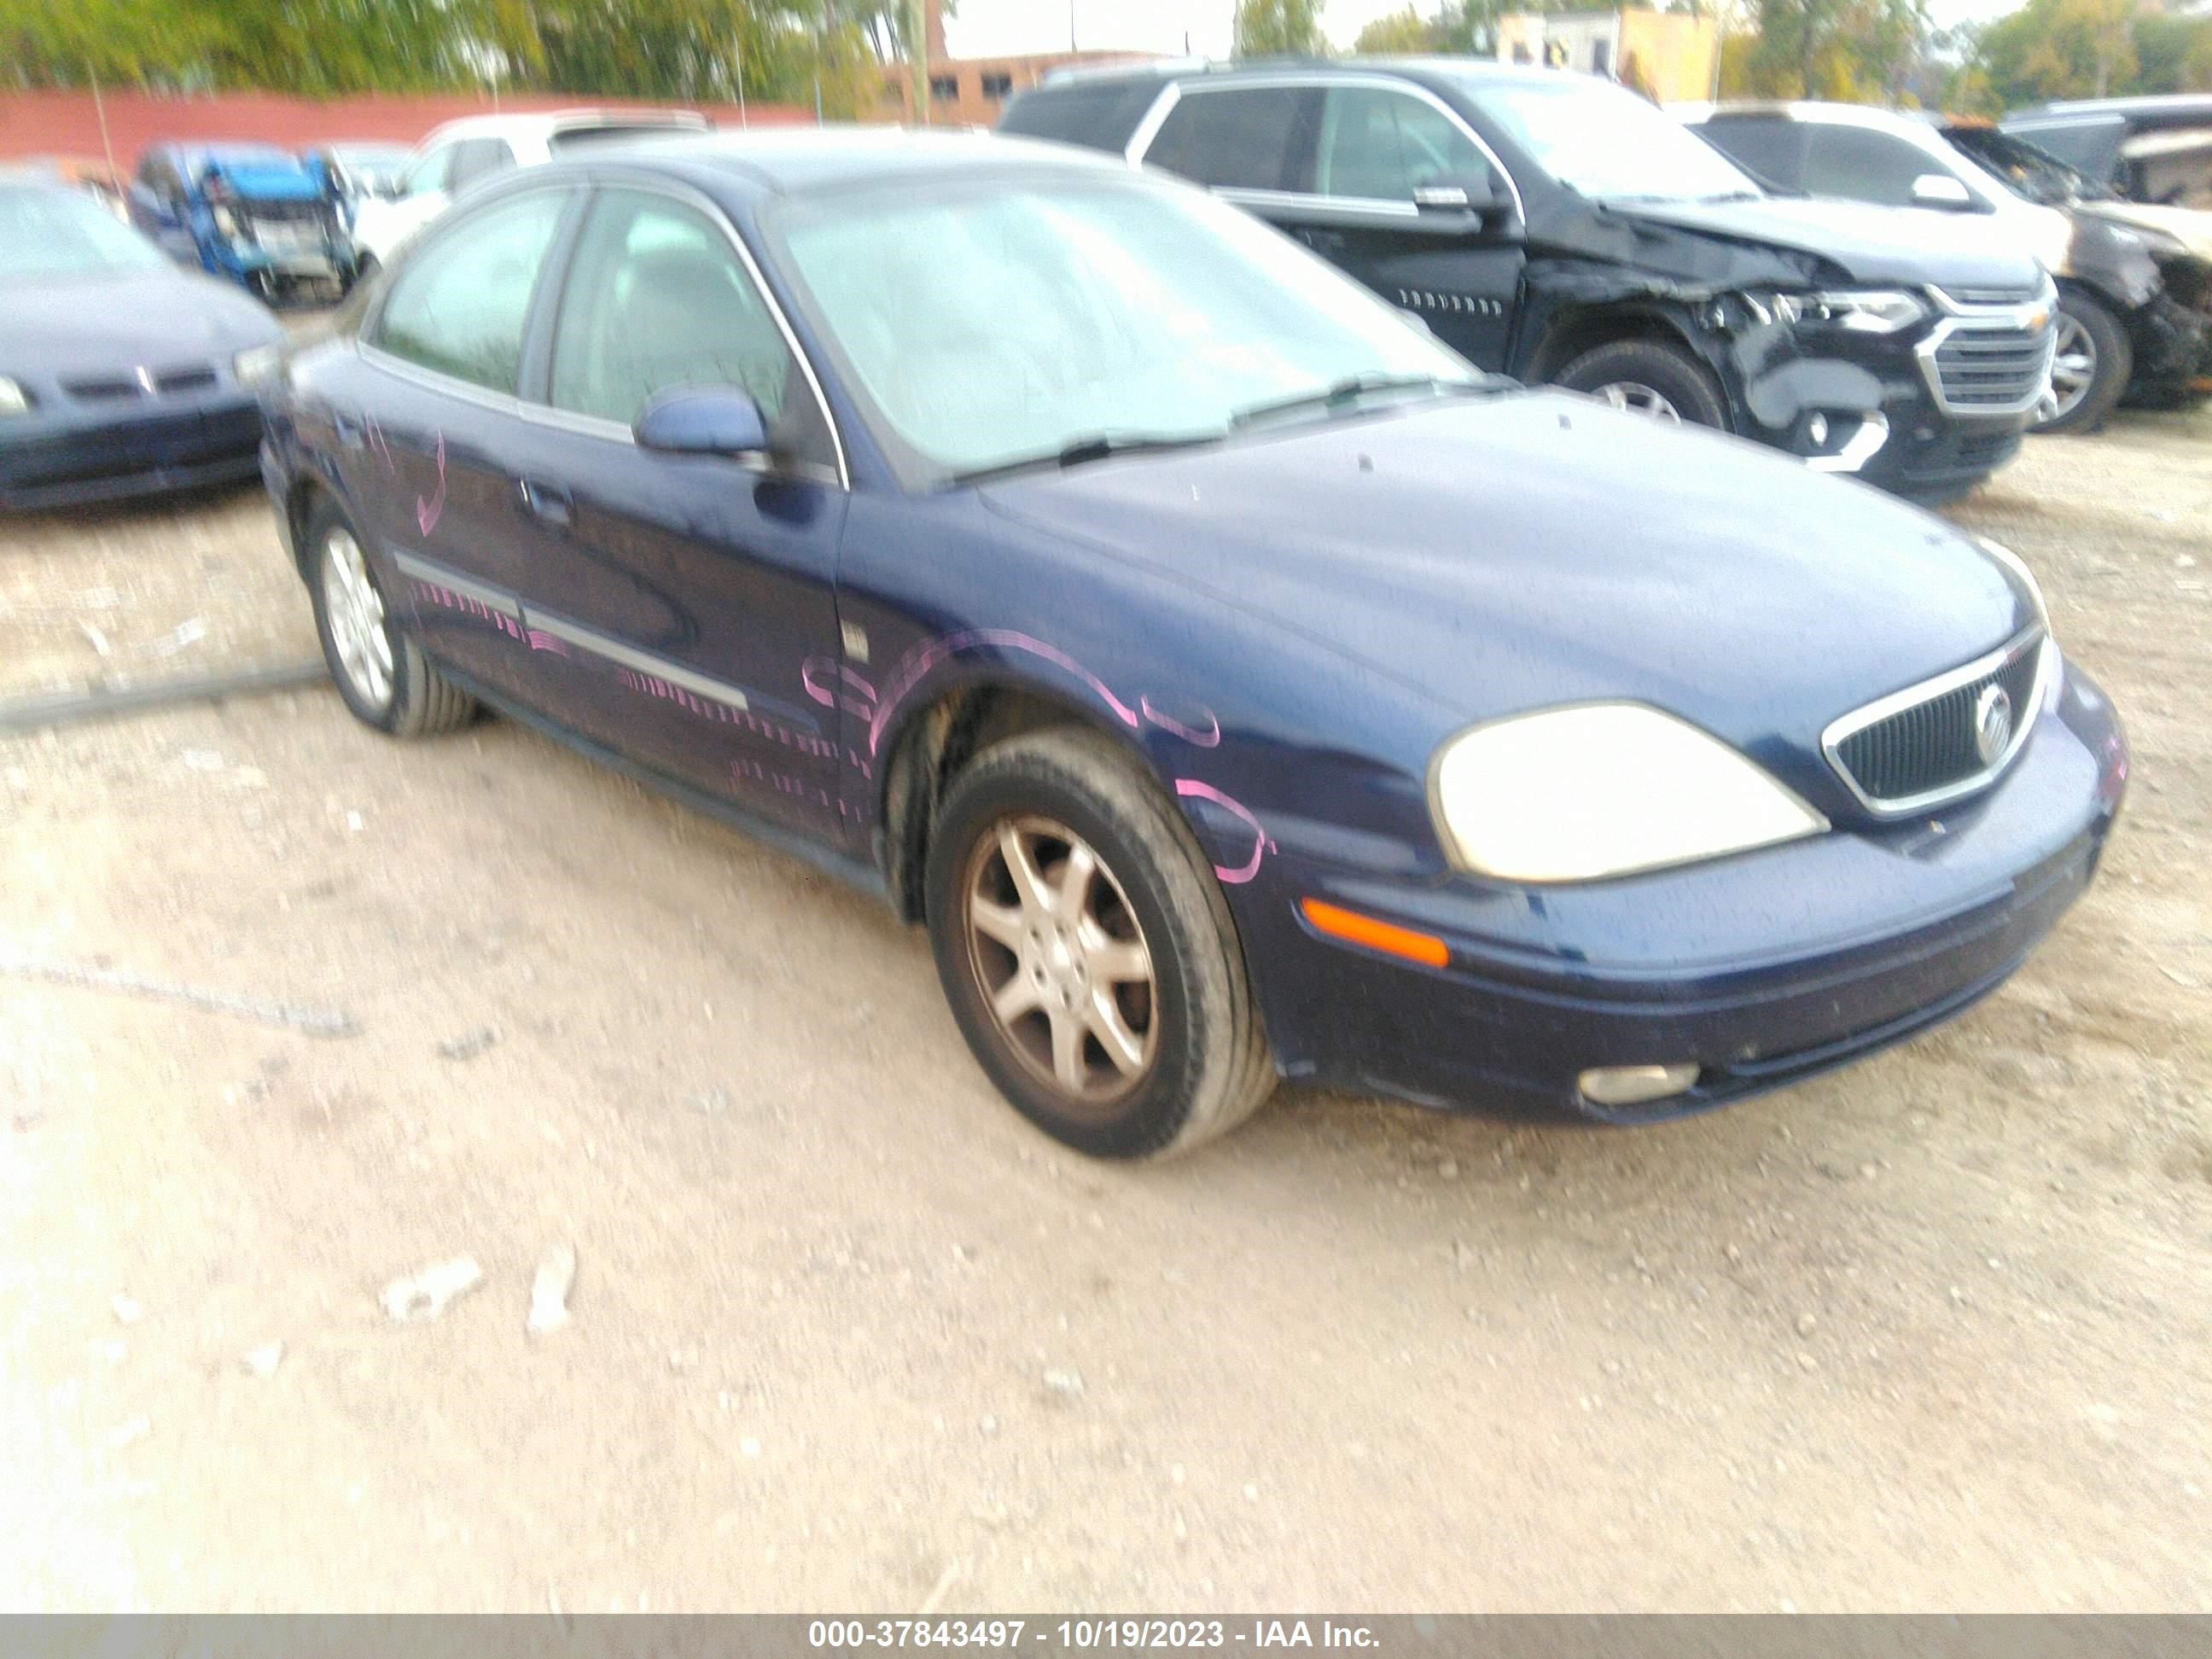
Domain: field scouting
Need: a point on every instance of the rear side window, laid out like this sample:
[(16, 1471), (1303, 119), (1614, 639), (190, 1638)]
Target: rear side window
[(657, 298), (1771, 149), (1243, 138), (477, 159), (1864, 166), (459, 305), (1383, 145)]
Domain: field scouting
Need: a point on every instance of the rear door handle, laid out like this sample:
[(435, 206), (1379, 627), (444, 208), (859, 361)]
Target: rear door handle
[(548, 501)]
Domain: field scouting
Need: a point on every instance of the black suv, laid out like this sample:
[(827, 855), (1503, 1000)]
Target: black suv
[(1557, 228)]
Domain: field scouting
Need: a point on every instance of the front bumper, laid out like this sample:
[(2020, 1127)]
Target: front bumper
[(1760, 969), (78, 455)]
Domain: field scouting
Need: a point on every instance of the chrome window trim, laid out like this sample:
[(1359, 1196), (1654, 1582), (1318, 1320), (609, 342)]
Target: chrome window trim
[(593, 426), (1141, 141), (1958, 318), (437, 575), (1840, 731)]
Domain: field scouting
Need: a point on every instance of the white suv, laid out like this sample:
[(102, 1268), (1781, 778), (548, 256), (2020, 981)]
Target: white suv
[(479, 147)]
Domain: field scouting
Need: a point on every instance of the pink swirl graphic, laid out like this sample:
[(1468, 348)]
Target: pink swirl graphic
[(1261, 845)]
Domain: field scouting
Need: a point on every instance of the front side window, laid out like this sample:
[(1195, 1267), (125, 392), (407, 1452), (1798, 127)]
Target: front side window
[(656, 299), (1383, 145), (1242, 137), (1005, 321), (1605, 143), (459, 305), (1864, 166)]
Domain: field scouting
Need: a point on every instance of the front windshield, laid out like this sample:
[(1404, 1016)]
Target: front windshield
[(2022, 168), (1020, 317), (47, 231), (1606, 143)]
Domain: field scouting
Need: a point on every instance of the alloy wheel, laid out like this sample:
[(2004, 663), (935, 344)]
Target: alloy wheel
[(354, 610), (1638, 399), (2073, 370), (1060, 962)]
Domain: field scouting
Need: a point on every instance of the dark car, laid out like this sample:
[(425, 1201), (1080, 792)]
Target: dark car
[(250, 213), (1236, 682), (2156, 150), (2124, 324), (1561, 229), (119, 374)]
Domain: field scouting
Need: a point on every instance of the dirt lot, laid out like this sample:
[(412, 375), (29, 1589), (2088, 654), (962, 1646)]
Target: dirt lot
[(1935, 1332)]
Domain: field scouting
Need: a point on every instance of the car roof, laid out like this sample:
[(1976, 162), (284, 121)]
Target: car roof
[(796, 161)]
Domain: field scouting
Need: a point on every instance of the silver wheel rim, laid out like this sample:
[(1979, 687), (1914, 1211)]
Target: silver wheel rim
[(1060, 962), (355, 612), (2072, 368), (1638, 399)]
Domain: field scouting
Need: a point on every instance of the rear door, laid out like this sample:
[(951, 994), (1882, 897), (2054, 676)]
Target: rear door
[(682, 602), (433, 451)]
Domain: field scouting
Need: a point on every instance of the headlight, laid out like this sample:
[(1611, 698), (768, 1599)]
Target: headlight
[(2012, 562), (14, 400), (261, 363), (1862, 310), (1604, 789)]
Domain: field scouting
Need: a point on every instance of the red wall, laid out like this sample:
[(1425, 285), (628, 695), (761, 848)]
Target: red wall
[(67, 123)]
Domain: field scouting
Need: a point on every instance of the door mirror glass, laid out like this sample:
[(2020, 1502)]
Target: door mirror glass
[(1940, 189), (702, 421)]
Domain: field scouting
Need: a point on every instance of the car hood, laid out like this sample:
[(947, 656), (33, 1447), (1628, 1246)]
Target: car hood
[(2190, 226), (1536, 549), (151, 319), (1868, 244)]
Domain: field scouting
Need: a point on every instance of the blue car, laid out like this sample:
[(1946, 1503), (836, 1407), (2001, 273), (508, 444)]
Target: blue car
[(1236, 683), (250, 213)]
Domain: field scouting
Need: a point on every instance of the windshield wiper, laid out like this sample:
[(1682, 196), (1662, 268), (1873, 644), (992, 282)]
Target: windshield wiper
[(1096, 447), (1341, 393)]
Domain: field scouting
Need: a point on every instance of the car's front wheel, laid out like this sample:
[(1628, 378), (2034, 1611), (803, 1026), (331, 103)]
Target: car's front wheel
[(382, 673), (1643, 377), (1087, 951), (2089, 368)]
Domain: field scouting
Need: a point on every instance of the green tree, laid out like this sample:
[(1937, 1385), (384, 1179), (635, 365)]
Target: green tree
[(1279, 28), (1400, 34)]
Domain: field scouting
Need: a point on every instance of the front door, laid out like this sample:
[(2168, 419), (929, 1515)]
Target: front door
[(1374, 147), (686, 601)]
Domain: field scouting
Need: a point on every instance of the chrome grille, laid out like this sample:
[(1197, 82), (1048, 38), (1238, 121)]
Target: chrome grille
[(1989, 357), (1921, 747), (1995, 370)]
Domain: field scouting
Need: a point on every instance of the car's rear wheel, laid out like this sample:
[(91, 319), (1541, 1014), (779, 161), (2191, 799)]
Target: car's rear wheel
[(1087, 952), (1643, 377), (2089, 369), (382, 673)]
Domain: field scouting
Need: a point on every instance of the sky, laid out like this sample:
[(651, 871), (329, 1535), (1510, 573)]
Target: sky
[(984, 28)]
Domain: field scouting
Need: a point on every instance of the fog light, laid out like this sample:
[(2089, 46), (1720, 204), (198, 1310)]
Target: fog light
[(1630, 1085), (1817, 430)]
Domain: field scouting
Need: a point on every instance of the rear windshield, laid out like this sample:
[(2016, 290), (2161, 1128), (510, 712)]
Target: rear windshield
[(582, 137)]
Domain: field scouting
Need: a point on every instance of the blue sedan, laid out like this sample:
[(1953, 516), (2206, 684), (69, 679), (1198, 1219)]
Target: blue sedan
[(119, 374), (1235, 683)]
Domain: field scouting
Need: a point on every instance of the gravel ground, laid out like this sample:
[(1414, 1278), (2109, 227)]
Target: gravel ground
[(1929, 1333)]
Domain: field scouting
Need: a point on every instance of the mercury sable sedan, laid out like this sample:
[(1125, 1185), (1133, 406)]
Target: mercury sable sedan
[(1236, 683)]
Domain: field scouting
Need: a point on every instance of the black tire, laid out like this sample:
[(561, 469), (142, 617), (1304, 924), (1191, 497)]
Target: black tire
[(2113, 363), (1208, 1067), (420, 701), (1676, 376)]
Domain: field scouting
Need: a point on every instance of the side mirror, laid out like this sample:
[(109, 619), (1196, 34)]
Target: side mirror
[(1467, 192), (1940, 189), (718, 420)]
